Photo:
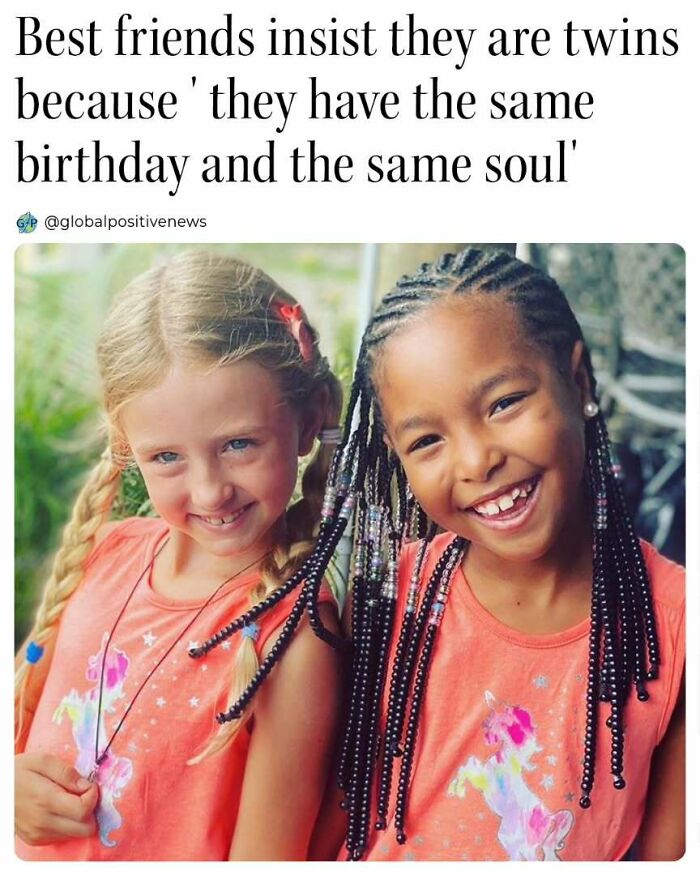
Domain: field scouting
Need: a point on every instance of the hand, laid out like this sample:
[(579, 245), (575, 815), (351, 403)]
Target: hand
[(52, 801)]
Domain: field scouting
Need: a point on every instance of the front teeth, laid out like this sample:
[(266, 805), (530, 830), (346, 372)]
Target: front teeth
[(219, 521), (505, 501)]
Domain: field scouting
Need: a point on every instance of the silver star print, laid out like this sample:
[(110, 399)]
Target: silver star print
[(541, 681), (149, 639), (160, 702), (194, 702), (547, 782)]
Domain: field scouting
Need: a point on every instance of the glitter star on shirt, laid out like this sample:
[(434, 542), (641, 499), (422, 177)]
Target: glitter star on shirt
[(194, 702), (160, 702), (149, 639), (547, 782), (541, 682), (226, 645)]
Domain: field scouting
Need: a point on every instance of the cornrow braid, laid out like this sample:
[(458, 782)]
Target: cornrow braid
[(623, 643)]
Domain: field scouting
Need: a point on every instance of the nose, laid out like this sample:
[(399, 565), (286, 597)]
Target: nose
[(477, 458), (210, 488)]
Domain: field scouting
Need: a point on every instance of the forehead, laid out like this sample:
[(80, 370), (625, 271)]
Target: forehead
[(451, 347), (192, 402)]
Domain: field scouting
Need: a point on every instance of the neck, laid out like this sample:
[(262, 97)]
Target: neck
[(186, 571), (547, 593)]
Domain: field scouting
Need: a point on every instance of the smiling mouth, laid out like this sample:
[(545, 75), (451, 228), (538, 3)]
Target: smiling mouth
[(227, 519), (510, 509), (508, 501)]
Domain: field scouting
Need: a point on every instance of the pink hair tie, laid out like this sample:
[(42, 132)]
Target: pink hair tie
[(293, 316)]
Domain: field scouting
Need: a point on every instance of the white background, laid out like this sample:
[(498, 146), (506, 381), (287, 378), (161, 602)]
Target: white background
[(633, 177)]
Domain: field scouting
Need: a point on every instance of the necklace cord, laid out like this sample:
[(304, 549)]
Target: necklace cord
[(100, 757)]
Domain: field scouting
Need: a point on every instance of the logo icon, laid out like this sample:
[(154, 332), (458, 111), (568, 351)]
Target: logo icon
[(26, 223)]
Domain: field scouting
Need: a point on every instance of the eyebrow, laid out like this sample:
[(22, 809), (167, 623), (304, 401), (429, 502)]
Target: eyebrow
[(483, 388)]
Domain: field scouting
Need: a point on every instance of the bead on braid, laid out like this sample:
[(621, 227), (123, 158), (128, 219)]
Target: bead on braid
[(623, 647)]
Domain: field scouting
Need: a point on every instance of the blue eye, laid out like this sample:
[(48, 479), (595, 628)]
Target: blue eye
[(504, 403), (239, 444), (166, 457)]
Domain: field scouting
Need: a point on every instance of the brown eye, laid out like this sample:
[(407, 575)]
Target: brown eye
[(423, 442), (504, 403)]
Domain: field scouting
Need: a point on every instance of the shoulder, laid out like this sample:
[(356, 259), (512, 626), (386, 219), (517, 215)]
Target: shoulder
[(667, 579), (272, 621), (434, 550), (115, 535)]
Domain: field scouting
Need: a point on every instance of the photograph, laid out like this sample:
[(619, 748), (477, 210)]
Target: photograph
[(350, 551)]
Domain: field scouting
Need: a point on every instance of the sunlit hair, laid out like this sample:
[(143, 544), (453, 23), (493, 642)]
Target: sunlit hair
[(202, 311)]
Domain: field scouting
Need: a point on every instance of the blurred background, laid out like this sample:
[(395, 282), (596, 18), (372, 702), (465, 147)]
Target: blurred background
[(629, 298)]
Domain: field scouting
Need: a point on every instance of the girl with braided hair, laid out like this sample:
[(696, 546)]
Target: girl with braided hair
[(517, 652), (214, 386)]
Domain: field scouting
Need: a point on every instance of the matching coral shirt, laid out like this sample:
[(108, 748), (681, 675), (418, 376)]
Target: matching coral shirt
[(153, 806), (498, 756)]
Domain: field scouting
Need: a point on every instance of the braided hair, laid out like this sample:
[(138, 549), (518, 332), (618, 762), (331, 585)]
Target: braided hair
[(623, 645), (204, 311)]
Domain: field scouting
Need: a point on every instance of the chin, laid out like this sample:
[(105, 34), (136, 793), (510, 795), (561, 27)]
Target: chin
[(512, 548)]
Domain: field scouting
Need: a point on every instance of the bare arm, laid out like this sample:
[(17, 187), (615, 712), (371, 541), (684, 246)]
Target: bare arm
[(662, 835), (296, 722), (332, 824)]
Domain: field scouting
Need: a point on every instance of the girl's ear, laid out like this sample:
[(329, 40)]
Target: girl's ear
[(579, 373), (312, 420)]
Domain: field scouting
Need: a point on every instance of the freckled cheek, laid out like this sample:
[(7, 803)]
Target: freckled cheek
[(165, 496), (273, 479)]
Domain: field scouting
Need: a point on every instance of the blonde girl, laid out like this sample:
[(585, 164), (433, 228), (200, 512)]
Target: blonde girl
[(214, 386)]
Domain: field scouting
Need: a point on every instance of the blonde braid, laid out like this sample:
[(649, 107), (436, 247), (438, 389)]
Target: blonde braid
[(90, 511), (302, 519)]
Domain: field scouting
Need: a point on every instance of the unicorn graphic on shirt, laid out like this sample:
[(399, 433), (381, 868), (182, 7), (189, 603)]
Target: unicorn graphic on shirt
[(115, 772), (528, 830)]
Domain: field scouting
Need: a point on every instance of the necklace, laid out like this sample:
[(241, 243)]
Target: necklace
[(100, 757)]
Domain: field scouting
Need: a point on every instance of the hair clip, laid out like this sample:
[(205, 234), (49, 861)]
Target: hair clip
[(252, 631), (34, 652), (330, 435), (293, 315)]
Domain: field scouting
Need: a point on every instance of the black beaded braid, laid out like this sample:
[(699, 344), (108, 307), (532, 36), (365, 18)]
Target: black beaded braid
[(623, 644), (442, 577)]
